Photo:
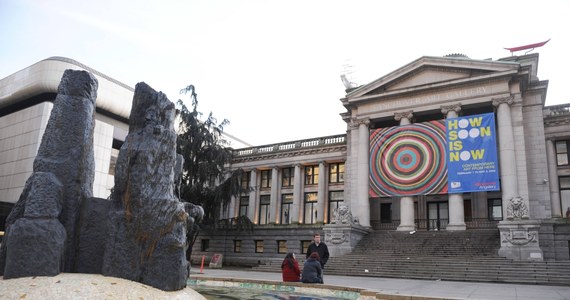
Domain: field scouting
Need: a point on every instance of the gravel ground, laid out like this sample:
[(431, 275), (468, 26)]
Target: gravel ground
[(85, 286)]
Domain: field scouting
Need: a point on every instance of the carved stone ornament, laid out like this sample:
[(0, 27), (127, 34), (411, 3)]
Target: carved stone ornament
[(338, 238), (406, 114), (508, 100), (453, 107), (517, 209), (342, 215), (355, 122), (519, 238)]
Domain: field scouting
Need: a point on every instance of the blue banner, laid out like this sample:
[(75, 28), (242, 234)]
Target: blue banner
[(472, 154)]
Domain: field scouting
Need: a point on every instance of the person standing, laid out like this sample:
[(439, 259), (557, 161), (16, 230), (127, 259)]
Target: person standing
[(312, 271), (319, 247), (290, 268)]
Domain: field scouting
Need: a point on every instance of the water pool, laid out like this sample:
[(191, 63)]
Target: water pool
[(232, 293)]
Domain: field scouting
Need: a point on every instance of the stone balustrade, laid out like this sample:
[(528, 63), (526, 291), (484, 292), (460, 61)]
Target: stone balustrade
[(557, 110), (292, 145)]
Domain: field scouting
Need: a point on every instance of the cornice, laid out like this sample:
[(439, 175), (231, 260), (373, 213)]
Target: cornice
[(288, 154), (441, 86)]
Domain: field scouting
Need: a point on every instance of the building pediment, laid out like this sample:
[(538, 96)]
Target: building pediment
[(430, 72)]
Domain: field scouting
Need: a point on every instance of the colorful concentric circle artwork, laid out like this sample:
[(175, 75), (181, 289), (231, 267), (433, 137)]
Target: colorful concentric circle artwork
[(408, 160)]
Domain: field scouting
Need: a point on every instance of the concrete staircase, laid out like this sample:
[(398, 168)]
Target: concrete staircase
[(439, 255)]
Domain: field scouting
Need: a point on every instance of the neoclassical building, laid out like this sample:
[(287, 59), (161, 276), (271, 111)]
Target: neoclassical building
[(394, 169), (386, 184)]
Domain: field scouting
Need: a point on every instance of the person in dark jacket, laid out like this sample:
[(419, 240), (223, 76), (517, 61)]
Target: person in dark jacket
[(320, 248), (312, 271), (290, 268)]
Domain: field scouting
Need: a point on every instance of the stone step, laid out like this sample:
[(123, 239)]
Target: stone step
[(481, 276), (459, 256)]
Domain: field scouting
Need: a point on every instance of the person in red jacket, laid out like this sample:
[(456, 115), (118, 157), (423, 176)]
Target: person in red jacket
[(290, 268)]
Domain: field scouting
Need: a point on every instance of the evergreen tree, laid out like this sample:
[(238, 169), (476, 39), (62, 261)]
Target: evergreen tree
[(205, 180)]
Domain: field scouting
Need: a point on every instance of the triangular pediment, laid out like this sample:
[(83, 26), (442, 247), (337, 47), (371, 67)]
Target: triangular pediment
[(428, 72)]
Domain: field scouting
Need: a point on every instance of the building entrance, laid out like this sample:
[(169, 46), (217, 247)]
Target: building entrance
[(438, 215)]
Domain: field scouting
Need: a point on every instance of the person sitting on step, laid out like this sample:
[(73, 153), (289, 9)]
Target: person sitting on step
[(312, 271)]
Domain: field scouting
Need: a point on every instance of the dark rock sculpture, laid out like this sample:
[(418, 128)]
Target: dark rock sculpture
[(41, 236), (93, 231), (34, 244), (139, 234), (147, 223)]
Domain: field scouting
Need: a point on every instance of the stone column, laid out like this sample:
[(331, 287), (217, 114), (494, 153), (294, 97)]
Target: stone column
[(406, 203), (362, 203), (232, 211), (556, 210), (296, 209), (519, 235), (322, 191), (456, 209), (273, 207), (507, 155), (251, 211)]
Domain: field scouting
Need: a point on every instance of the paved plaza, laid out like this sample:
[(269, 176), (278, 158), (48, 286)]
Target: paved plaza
[(409, 287)]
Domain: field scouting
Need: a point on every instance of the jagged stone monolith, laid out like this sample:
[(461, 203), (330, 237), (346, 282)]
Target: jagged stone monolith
[(147, 223), (35, 238), (44, 220), (92, 235)]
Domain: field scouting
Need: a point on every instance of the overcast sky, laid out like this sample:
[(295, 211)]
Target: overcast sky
[(272, 68)]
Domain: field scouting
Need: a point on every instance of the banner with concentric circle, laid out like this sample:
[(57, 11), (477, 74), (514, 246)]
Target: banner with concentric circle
[(408, 160)]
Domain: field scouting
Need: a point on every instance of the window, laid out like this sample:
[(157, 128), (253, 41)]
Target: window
[(562, 152), (116, 146), (310, 208), (336, 173), (266, 179), (467, 212), (385, 212), (204, 245), (114, 155), (288, 176), (336, 198), (259, 246), (564, 182), (237, 246), (286, 208), (311, 175), (495, 207), (243, 205), (305, 246), (264, 201), (244, 181), (282, 247)]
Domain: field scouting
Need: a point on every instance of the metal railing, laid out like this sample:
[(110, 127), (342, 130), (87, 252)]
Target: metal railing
[(481, 223), (433, 224)]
